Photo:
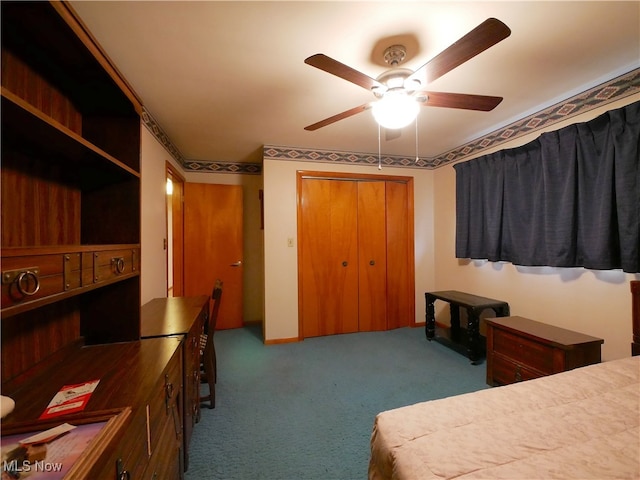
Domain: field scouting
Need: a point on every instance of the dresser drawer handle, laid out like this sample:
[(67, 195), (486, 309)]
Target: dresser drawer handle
[(518, 374), (25, 276), (118, 264), (121, 472), (22, 279)]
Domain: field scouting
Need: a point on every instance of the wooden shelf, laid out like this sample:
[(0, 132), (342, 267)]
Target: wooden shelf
[(70, 233), (20, 119)]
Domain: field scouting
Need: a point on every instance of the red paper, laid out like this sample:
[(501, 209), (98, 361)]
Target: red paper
[(70, 399)]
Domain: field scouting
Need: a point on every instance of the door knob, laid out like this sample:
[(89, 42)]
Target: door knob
[(372, 262), (344, 264), (237, 264)]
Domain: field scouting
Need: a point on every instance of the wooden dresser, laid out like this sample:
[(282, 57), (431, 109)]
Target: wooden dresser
[(521, 349), (184, 318), (139, 380)]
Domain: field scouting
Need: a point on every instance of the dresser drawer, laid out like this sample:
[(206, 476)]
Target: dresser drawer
[(506, 371), (164, 463), (104, 265), (31, 277), (528, 352)]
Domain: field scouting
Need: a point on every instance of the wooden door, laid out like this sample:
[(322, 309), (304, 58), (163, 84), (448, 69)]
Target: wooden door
[(328, 266), (372, 253), (213, 239), (400, 257), (377, 295)]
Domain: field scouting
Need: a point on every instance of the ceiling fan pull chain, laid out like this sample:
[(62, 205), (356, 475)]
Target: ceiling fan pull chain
[(417, 156), (379, 154)]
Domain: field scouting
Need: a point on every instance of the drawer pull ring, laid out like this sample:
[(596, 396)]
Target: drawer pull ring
[(168, 393), (118, 264), (25, 276), (121, 472)]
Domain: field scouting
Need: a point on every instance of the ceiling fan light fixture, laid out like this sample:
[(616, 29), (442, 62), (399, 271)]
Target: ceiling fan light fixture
[(395, 110), (411, 84)]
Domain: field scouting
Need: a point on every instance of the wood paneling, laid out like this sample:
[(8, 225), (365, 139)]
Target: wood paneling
[(36, 190), (29, 85)]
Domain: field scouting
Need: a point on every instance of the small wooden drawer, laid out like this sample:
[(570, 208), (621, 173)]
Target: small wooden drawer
[(164, 405), (104, 265), (507, 371), (132, 451), (163, 464), (533, 354), (31, 277)]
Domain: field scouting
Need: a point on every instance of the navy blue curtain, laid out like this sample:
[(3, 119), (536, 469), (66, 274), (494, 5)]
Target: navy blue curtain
[(571, 198)]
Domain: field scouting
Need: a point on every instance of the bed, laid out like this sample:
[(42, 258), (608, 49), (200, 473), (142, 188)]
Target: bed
[(582, 424)]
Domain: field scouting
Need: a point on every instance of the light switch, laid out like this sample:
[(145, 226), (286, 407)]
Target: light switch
[(289, 242)]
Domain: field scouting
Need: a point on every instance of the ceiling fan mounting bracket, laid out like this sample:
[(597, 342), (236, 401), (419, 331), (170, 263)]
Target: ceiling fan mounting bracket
[(395, 55)]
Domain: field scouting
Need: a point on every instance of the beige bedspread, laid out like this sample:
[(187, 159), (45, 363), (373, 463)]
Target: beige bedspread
[(582, 424)]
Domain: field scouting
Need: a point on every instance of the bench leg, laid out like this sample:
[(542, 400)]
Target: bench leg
[(430, 320), (473, 333)]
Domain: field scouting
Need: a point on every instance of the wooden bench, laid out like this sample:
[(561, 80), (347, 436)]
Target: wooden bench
[(468, 344)]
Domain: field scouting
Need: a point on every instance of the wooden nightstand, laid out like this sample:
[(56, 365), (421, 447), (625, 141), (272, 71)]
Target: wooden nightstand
[(521, 349)]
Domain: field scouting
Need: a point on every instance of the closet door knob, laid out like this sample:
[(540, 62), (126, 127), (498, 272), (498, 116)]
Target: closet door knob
[(372, 262), (345, 263)]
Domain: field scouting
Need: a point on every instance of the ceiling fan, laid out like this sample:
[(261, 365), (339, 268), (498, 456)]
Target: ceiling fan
[(403, 87)]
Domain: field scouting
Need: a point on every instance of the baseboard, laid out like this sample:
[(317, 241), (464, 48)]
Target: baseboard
[(278, 341), (252, 323)]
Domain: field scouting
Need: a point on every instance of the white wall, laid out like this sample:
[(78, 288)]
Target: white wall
[(596, 303), (281, 261), (154, 224)]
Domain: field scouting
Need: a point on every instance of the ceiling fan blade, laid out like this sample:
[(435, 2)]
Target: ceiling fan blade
[(464, 101), (341, 70), (339, 116), (485, 35)]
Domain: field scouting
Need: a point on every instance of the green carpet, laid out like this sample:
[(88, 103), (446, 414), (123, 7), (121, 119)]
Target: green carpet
[(305, 410)]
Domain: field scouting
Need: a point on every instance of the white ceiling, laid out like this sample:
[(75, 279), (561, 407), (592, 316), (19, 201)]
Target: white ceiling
[(223, 79)]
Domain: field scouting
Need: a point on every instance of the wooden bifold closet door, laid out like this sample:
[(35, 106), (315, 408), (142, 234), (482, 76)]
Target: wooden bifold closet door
[(355, 253)]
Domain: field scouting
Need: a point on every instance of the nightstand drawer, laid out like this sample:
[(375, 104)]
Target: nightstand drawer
[(507, 371), (529, 353)]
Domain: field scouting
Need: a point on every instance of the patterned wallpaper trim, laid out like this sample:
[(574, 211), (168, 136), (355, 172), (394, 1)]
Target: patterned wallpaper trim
[(615, 89)]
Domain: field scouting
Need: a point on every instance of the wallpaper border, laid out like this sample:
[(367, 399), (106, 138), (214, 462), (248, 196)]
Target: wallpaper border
[(615, 89)]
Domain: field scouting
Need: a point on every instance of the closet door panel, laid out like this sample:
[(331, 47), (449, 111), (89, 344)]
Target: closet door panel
[(372, 268), (400, 259), (328, 263)]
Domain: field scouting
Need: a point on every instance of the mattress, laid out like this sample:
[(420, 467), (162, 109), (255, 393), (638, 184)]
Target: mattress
[(581, 424)]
